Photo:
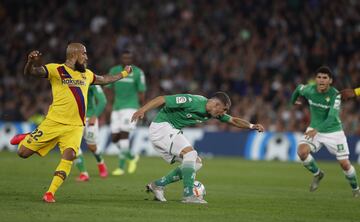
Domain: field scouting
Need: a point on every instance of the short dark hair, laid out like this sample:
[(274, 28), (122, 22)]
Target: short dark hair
[(326, 70), (223, 97)]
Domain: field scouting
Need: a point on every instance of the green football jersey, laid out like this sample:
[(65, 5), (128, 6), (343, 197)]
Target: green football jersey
[(126, 90), (96, 101), (324, 107), (183, 110)]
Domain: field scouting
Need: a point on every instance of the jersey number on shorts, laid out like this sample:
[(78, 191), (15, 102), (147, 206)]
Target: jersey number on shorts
[(340, 147), (90, 134), (36, 133)]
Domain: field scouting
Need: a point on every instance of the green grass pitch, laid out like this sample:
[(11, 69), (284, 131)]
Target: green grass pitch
[(237, 190)]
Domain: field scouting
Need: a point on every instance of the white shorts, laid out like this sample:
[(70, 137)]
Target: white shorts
[(91, 132), (121, 120), (335, 142), (168, 141)]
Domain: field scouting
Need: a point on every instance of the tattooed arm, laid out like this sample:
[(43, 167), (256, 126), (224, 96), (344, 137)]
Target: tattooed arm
[(31, 69), (106, 79)]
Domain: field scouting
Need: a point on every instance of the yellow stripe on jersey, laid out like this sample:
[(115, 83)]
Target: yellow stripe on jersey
[(69, 90)]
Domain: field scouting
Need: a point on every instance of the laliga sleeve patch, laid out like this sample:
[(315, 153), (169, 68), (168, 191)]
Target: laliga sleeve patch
[(181, 99), (337, 104)]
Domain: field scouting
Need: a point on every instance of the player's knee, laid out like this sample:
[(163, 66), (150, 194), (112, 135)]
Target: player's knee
[(24, 153), (185, 151), (69, 154), (303, 151), (345, 165), (92, 147), (303, 155), (190, 156)]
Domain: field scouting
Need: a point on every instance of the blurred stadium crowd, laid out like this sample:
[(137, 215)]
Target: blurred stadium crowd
[(255, 50)]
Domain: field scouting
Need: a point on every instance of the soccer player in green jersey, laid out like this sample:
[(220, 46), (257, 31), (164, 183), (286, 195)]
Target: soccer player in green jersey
[(128, 95), (325, 128), (165, 133), (96, 105)]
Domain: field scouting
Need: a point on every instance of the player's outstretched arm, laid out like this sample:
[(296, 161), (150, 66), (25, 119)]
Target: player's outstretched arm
[(349, 93), (106, 79), (31, 69), (241, 123), (152, 104), (295, 97)]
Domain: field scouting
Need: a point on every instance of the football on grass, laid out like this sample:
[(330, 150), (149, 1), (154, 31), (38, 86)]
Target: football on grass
[(199, 189)]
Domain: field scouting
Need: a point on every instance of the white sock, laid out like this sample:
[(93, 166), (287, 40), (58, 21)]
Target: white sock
[(189, 159), (123, 146), (351, 172), (308, 159), (198, 166)]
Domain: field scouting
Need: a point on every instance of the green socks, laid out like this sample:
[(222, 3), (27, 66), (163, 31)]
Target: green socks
[(123, 157), (350, 175), (185, 172), (80, 163), (310, 164), (128, 155), (188, 173), (98, 158), (173, 176), (353, 181), (122, 160)]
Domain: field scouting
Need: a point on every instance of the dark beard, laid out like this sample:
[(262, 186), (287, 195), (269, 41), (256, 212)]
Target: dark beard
[(79, 67)]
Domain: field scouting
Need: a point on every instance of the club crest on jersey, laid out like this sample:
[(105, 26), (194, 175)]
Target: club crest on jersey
[(180, 99), (327, 99)]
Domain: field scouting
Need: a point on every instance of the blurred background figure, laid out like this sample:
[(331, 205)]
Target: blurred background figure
[(127, 96)]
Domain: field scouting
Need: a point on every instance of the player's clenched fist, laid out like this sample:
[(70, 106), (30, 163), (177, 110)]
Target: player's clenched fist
[(127, 70), (258, 127), (34, 55)]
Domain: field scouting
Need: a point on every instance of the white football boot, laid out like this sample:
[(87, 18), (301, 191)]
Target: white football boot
[(316, 180), (356, 193), (158, 191), (194, 199)]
